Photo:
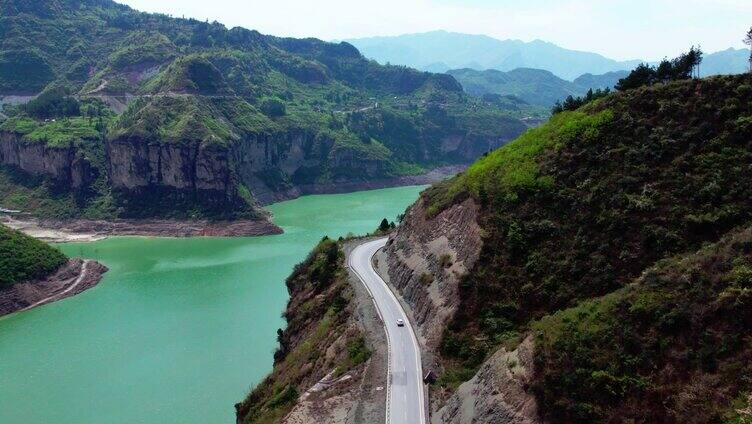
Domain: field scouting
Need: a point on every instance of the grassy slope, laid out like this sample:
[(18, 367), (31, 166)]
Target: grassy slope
[(580, 207), (318, 317), (23, 258)]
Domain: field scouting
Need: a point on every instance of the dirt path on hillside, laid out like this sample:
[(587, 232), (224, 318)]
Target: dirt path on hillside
[(72, 278)]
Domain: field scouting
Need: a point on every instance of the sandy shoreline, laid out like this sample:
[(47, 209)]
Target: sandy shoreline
[(86, 230)]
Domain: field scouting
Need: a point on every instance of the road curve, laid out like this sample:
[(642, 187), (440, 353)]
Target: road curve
[(405, 402)]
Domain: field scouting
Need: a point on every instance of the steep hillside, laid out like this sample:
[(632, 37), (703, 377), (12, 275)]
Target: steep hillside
[(575, 210), (32, 273), (674, 346), (205, 121)]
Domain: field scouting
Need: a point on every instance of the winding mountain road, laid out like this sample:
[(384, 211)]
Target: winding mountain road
[(405, 401)]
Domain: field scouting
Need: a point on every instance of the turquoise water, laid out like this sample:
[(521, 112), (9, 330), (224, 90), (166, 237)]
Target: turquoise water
[(179, 329)]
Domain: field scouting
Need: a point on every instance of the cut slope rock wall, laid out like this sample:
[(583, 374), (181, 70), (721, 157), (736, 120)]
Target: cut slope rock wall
[(427, 258)]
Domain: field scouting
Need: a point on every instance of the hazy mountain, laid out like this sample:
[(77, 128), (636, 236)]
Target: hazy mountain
[(534, 86), (607, 80), (441, 50), (729, 61)]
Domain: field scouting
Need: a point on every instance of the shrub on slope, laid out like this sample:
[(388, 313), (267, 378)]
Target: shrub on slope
[(675, 346), (23, 258)]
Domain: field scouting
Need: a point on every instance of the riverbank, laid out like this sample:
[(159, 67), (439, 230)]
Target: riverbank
[(71, 279), (433, 176), (87, 230)]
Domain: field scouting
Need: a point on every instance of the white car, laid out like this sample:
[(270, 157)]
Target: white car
[(400, 323)]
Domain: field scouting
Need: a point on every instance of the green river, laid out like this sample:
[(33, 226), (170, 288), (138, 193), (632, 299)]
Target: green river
[(179, 329)]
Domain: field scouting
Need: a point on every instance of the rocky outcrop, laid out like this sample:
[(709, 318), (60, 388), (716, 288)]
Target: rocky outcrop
[(497, 394), (66, 165), (427, 258)]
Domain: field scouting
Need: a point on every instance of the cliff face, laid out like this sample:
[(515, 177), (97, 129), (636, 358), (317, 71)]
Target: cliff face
[(64, 165), (427, 259), (138, 165)]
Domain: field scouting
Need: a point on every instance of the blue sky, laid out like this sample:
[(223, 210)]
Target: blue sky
[(620, 29)]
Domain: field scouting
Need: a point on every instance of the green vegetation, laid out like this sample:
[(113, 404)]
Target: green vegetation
[(53, 102), (174, 120), (679, 68), (142, 48), (579, 208), (673, 347), (23, 258), (574, 103), (508, 172), (58, 133)]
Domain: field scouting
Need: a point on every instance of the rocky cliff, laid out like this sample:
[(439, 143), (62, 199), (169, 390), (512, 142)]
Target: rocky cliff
[(428, 257), (208, 121), (191, 173), (66, 166)]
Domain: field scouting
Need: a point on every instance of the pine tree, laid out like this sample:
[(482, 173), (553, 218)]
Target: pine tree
[(384, 226)]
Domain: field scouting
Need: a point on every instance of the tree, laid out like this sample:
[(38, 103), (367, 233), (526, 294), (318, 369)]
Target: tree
[(384, 226), (748, 41), (642, 75), (665, 71), (55, 102), (682, 67)]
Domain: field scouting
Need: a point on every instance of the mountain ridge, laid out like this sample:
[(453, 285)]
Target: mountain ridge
[(481, 52)]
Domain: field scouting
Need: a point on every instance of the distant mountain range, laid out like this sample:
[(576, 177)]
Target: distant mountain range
[(440, 51), (534, 86)]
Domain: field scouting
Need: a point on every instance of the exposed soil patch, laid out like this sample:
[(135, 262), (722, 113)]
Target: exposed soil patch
[(71, 279)]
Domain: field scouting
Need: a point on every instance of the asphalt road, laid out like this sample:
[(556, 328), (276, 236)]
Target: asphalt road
[(405, 401)]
